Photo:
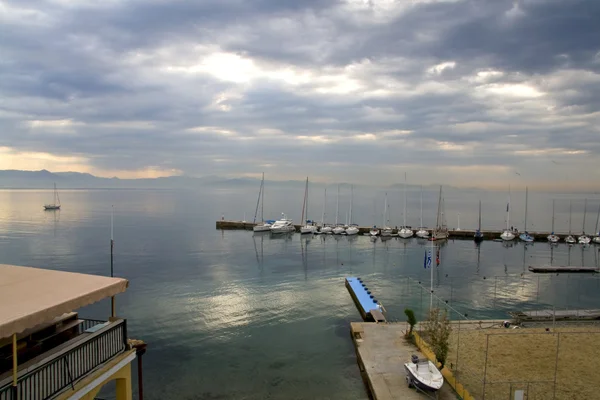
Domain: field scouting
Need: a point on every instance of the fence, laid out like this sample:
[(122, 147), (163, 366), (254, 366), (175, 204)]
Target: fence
[(63, 369)]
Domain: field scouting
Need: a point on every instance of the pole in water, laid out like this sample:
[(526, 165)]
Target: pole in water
[(112, 245)]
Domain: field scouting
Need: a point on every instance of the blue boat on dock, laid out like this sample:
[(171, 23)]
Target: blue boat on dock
[(368, 306)]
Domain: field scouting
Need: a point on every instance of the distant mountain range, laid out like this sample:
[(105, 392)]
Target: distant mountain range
[(17, 179)]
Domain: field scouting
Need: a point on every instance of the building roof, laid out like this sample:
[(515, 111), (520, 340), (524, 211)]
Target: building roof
[(31, 296)]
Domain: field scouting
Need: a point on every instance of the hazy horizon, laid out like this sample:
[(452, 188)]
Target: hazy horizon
[(460, 92)]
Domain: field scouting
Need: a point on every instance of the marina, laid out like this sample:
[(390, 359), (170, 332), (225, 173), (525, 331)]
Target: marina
[(464, 234)]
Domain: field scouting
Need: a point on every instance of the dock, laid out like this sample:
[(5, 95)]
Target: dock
[(551, 269), (555, 315), (453, 234), (381, 352), (367, 304)]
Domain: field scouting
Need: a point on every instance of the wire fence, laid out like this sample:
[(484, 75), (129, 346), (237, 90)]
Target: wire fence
[(492, 360)]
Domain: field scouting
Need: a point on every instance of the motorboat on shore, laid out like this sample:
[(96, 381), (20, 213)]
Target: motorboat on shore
[(423, 374)]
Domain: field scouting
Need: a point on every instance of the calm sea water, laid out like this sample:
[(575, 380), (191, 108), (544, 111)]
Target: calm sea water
[(234, 315)]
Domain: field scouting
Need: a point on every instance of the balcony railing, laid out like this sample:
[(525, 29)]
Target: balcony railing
[(63, 368)]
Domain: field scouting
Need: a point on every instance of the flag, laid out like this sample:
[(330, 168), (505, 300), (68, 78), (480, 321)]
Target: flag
[(506, 207), (437, 257), (427, 261)]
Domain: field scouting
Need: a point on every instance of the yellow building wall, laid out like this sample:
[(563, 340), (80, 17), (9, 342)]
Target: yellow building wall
[(122, 378)]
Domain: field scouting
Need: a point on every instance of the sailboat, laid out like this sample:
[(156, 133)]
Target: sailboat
[(325, 228), (405, 232), (56, 204), (441, 230), (478, 237), (262, 226), (422, 232), (507, 234), (584, 239), (525, 236), (309, 226), (597, 237), (385, 230), (374, 231), (352, 228), (570, 239), (339, 228), (552, 238)]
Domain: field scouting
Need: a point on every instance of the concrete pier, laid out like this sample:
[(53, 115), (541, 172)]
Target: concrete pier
[(462, 234), (381, 352)]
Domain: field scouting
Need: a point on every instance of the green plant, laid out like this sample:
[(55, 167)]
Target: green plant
[(437, 330), (411, 319)]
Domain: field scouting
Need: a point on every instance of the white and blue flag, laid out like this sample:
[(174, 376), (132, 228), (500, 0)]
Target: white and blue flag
[(427, 260)]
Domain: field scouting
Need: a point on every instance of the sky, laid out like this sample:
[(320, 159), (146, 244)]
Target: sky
[(479, 93)]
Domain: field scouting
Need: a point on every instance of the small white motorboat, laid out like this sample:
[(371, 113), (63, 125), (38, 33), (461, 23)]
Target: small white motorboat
[(262, 227), (374, 231), (423, 374)]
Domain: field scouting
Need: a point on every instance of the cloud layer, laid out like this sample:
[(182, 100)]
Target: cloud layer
[(464, 92)]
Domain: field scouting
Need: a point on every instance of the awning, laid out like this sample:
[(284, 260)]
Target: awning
[(31, 296)]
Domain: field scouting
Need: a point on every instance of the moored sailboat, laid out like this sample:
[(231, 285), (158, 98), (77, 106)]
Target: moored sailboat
[(325, 228), (262, 226), (507, 234), (352, 228), (339, 228), (422, 231), (525, 236), (56, 204), (308, 226), (584, 239), (441, 230), (596, 238), (385, 229), (478, 237), (552, 238), (405, 232), (570, 239)]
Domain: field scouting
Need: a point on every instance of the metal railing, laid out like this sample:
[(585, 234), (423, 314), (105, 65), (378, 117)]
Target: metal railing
[(67, 367)]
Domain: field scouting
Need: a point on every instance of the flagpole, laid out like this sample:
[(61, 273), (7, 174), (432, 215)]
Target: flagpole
[(431, 279), (112, 244)]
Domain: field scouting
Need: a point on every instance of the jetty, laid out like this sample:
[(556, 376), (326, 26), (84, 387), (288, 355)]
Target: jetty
[(568, 269), (367, 304), (381, 352), (464, 234)]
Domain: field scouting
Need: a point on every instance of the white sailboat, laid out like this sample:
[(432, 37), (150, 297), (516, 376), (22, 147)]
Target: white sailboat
[(597, 237), (385, 230), (262, 226), (570, 239), (339, 228), (441, 230), (405, 232), (478, 237), (56, 204), (525, 236), (308, 225), (374, 231), (352, 228), (325, 228), (507, 234), (422, 232), (552, 238), (584, 239)]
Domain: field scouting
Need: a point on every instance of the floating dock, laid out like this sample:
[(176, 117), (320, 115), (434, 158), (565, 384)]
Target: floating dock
[(550, 269), (367, 304), (555, 315), (381, 352), (453, 234)]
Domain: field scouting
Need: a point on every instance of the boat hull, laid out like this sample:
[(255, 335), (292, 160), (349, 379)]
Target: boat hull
[(584, 239), (405, 233), (507, 235), (51, 207), (414, 379), (308, 229), (596, 240), (262, 228), (422, 233), (352, 231)]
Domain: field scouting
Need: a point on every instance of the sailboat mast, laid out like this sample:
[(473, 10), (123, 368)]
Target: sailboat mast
[(384, 209), (257, 201), (553, 201), (508, 210), (570, 213), (421, 206), (598, 220), (304, 202), (54, 193), (337, 206), (479, 215), (262, 200), (306, 195), (404, 213), (584, 214), (351, 200), (526, 202), (323, 215), (437, 222)]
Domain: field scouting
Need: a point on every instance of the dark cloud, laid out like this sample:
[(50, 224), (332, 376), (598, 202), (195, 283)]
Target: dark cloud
[(332, 88)]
